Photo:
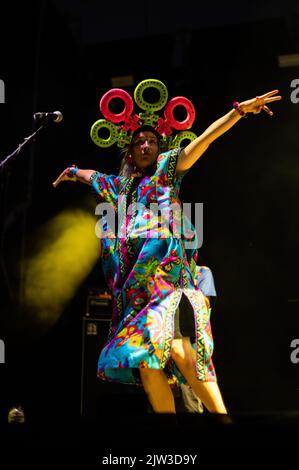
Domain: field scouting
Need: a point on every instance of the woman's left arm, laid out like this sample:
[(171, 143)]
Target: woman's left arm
[(197, 147)]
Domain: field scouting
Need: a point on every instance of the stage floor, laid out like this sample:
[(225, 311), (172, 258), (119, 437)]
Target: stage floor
[(146, 436)]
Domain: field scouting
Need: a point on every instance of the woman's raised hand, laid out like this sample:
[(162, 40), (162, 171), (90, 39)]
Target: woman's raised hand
[(258, 104), (66, 175)]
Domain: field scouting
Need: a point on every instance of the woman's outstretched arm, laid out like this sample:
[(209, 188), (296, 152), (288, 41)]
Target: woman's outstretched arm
[(197, 147), (68, 175)]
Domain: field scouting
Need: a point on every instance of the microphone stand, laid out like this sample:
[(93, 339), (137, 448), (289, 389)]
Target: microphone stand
[(19, 148), (2, 206)]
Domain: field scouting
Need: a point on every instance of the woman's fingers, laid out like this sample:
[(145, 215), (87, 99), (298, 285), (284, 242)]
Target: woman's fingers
[(59, 179), (266, 98), (269, 93), (268, 111), (62, 177), (273, 98)]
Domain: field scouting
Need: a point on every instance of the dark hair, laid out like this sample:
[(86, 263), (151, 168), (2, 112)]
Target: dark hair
[(146, 128)]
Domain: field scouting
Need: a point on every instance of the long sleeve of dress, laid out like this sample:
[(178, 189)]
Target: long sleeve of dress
[(106, 187)]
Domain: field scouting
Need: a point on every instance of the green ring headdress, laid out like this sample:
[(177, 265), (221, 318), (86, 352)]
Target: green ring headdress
[(122, 125)]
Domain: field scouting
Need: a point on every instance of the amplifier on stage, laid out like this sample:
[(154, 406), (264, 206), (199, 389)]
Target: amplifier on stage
[(100, 397), (98, 304), (95, 328)]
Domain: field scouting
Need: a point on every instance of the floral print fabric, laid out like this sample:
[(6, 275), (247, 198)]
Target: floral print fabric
[(147, 268)]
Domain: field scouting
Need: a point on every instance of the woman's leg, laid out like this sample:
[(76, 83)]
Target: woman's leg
[(185, 358), (158, 390)]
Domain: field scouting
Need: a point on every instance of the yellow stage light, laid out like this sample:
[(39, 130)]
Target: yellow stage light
[(67, 251)]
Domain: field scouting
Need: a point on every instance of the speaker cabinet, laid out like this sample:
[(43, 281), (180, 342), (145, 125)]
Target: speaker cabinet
[(100, 398)]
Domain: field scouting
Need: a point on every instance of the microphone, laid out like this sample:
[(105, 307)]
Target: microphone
[(56, 116)]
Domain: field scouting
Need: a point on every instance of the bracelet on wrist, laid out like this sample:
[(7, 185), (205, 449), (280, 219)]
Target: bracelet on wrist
[(72, 171), (237, 107)]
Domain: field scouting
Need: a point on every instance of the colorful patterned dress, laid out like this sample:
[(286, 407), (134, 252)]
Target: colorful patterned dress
[(147, 268)]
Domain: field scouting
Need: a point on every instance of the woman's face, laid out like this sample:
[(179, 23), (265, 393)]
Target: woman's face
[(144, 149)]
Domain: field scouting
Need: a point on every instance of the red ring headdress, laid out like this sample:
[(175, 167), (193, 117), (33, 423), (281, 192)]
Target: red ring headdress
[(121, 126)]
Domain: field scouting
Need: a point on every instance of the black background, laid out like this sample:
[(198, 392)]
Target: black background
[(63, 55)]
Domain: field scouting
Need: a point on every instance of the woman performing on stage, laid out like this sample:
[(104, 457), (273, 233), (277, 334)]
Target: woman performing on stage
[(150, 266)]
